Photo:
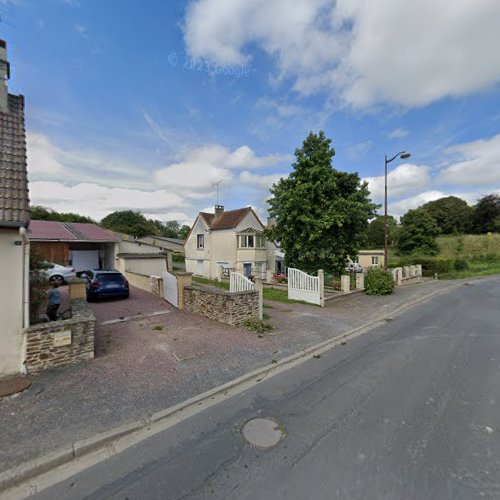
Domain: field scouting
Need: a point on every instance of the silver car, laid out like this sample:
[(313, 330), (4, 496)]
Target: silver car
[(59, 274)]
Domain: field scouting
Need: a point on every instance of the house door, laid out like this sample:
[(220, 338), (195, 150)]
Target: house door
[(199, 267), (247, 269)]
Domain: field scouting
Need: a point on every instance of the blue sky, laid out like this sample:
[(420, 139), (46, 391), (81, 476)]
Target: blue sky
[(146, 104)]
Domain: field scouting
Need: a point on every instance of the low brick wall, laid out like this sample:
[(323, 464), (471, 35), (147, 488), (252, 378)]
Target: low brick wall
[(59, 343), (230, 308)]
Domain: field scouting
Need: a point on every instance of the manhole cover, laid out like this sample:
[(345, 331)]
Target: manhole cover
[(263, 432)]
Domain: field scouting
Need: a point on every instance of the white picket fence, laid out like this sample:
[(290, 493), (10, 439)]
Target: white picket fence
[(240, 283), (302, 286)]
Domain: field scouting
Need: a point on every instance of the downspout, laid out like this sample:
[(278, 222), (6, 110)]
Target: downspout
[(26, 266)]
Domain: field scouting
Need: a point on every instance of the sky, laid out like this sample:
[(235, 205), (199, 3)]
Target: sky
[(148, 105)]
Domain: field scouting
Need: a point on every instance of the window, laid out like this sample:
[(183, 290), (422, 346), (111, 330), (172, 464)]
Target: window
[(247, 241), (251, 241), (374, 261), (200, 240)]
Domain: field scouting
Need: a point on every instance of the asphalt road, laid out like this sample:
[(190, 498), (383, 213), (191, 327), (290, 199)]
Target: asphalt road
[(410, 410)]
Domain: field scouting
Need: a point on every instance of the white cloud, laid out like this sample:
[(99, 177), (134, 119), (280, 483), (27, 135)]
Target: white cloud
[(400, 207), (97, 201), (398, 133), (409, 53), (404, 179), (479, 163), (261, 181), (43, 156), (200, 168)]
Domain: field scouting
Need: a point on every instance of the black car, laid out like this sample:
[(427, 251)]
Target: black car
[(105, 283)]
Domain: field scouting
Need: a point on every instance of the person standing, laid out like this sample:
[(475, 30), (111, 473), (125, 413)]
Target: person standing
[(53, 302)]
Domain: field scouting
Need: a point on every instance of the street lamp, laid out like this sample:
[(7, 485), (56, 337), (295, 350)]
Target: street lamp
[(403, 155)]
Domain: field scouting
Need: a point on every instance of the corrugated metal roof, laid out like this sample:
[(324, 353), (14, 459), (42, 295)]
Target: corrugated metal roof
[(44, 230)]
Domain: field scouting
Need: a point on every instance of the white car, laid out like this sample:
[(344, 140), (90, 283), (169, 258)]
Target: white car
[(354, 267), (59, 274)]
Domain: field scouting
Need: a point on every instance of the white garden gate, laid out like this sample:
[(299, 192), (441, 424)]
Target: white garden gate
[(302, 286), (170, 292), (240, 283)]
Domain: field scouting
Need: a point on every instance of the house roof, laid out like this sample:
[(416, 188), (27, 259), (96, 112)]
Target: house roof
[(170, 240), (14, 201), (47, 230)]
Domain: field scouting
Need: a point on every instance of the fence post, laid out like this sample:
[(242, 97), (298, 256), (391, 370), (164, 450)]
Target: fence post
[(321, 276), (360, 281), (183, 280), (269, 276), (345, 284), (260, 288)]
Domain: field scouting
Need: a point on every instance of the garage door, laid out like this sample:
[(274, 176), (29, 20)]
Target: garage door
[(83, 260)]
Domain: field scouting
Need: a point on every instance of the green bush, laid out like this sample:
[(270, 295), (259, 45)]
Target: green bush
[(178, 257), (461, 265), (378, 282), (430, 265)]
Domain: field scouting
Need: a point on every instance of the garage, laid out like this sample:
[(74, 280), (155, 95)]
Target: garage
[(80, 245)]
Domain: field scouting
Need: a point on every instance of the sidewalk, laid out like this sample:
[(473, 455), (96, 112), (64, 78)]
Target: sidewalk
[(156, 362)]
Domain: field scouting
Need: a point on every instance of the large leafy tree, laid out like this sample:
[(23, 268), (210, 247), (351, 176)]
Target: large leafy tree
[(375, 233), (184, 231), (129, 222), (452, 214), (41, 213), (418, 233), (321, 214), (487, 214)]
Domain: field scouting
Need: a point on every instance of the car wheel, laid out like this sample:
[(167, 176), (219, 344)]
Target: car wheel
[(58, 280)]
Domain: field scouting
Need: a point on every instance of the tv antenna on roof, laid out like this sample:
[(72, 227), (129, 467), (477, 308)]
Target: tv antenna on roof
[(216, 185)]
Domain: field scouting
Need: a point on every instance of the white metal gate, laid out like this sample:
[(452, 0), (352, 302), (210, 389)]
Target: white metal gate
[(239, 283), (302, 286), (170, 289)]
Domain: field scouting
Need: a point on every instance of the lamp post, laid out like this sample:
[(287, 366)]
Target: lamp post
[(403, 155)]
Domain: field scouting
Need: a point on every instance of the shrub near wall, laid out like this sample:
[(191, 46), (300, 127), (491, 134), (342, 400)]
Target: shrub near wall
[(378, 282)]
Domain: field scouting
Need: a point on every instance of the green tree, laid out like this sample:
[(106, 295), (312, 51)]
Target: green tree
[(184, 231), (321, 214), (375, 232), (171, 229), (487, 214), (41, 213), (418, 233), (452, 214), (129, 222)]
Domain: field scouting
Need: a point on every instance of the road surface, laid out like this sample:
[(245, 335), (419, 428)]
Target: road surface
[(410, 410)]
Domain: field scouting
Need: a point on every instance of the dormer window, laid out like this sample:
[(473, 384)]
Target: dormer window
[(200, 241)]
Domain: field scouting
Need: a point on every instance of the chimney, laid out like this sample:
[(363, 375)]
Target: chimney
[(219, 210), (4, 76)]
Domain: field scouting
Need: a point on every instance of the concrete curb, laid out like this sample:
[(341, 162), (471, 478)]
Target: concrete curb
[(13, 477)]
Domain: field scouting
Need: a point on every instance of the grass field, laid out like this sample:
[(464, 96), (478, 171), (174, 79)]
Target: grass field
[(469, 246)]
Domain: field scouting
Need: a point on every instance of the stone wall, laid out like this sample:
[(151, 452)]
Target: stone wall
[(63, 342), (230, 308)]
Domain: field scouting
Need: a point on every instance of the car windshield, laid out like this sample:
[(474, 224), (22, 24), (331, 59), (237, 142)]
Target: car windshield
[(109, 277)]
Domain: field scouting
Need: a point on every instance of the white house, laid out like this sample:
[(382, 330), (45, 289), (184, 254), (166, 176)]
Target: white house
[(231, 239), (14, 220)]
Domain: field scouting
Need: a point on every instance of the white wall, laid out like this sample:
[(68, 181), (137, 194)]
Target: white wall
[(191, 251), (11, 301)]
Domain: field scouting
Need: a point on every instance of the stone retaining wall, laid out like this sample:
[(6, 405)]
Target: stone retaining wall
[(230, 308), (59, 343)]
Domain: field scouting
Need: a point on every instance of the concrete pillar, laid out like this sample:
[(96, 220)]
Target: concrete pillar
[(183, 280), (406, 272), (259, 287), (77, 288), (345, 284), (269, 276), (321, 276), (360, 281), (399, 276), (419, 270), (220, 271)]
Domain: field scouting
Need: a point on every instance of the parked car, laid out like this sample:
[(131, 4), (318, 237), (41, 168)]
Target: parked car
[(354, 267), (59, 274), (105, 283)]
